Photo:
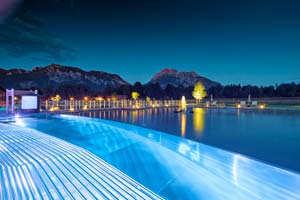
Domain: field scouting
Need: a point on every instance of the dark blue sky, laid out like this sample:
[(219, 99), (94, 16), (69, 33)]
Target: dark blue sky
[(248, 42)]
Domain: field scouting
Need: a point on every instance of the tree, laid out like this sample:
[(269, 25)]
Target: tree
[(199, 91), (114, 96), (135, 95), (154, 91), (56, 99), (170, 91), (148, 99)]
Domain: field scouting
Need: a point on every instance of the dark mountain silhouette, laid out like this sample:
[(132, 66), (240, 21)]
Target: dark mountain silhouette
[(180, 79), (63, 79)]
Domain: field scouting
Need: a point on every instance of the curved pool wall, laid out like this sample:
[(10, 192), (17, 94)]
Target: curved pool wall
[(270, 135), (170, 166)]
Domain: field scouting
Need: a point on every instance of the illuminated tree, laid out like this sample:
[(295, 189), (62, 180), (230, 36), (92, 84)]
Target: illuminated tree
[(57, 99), (135, 95), (148, 99), (199, 91), (114, 97)]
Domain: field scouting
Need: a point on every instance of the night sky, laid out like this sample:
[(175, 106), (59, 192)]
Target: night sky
[(229, 41)]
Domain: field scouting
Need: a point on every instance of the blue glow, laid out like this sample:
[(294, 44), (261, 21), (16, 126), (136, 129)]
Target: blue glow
[(170, 166), (19, 121), (38, 166)]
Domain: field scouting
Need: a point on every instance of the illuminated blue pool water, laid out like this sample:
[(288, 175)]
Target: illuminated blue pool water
[(271, 135), (172, 167)]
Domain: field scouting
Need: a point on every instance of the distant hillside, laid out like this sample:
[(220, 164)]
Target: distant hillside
[(180, 79), (71, 81), (63, 79), (169, 83)]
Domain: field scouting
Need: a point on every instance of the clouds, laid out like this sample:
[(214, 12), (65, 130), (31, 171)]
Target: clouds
[(24, 36), (7, 7)]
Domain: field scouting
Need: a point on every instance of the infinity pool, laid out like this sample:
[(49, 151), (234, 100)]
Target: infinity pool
[(170, 166), (271, 135)]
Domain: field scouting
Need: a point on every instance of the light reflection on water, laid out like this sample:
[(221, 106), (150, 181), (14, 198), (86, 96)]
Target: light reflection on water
[(198, 120), (269, 135), (183, 124)]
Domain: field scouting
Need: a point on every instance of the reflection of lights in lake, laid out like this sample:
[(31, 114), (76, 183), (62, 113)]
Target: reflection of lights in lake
[(134, 116), (183, 148), (183, 103), (183, 124), (195, 155), (198, 119)]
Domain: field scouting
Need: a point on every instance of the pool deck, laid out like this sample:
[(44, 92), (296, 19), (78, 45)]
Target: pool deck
[(37, 166)]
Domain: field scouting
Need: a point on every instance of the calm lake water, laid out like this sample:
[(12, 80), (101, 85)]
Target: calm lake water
[(271, 135)]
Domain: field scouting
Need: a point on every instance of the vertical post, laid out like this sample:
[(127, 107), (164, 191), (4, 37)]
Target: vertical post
[(46, 105), (7, 100), (12, 101)]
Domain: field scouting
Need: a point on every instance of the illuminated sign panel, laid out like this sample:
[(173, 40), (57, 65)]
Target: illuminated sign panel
[(29, 102)]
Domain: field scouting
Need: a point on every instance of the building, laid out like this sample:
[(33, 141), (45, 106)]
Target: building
[(22, 101)]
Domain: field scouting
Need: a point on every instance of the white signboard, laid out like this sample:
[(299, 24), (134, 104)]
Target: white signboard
[(29, 102)]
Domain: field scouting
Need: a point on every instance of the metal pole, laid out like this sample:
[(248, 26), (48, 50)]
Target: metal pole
[(12, 101), (7, 100)]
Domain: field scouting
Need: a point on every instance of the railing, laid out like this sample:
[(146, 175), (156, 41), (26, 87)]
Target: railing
[(269, 101), (83, 105)]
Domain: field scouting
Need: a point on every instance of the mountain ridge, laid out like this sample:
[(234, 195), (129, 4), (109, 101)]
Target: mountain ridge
[(168, 76), (56, 77), (73, 81)]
